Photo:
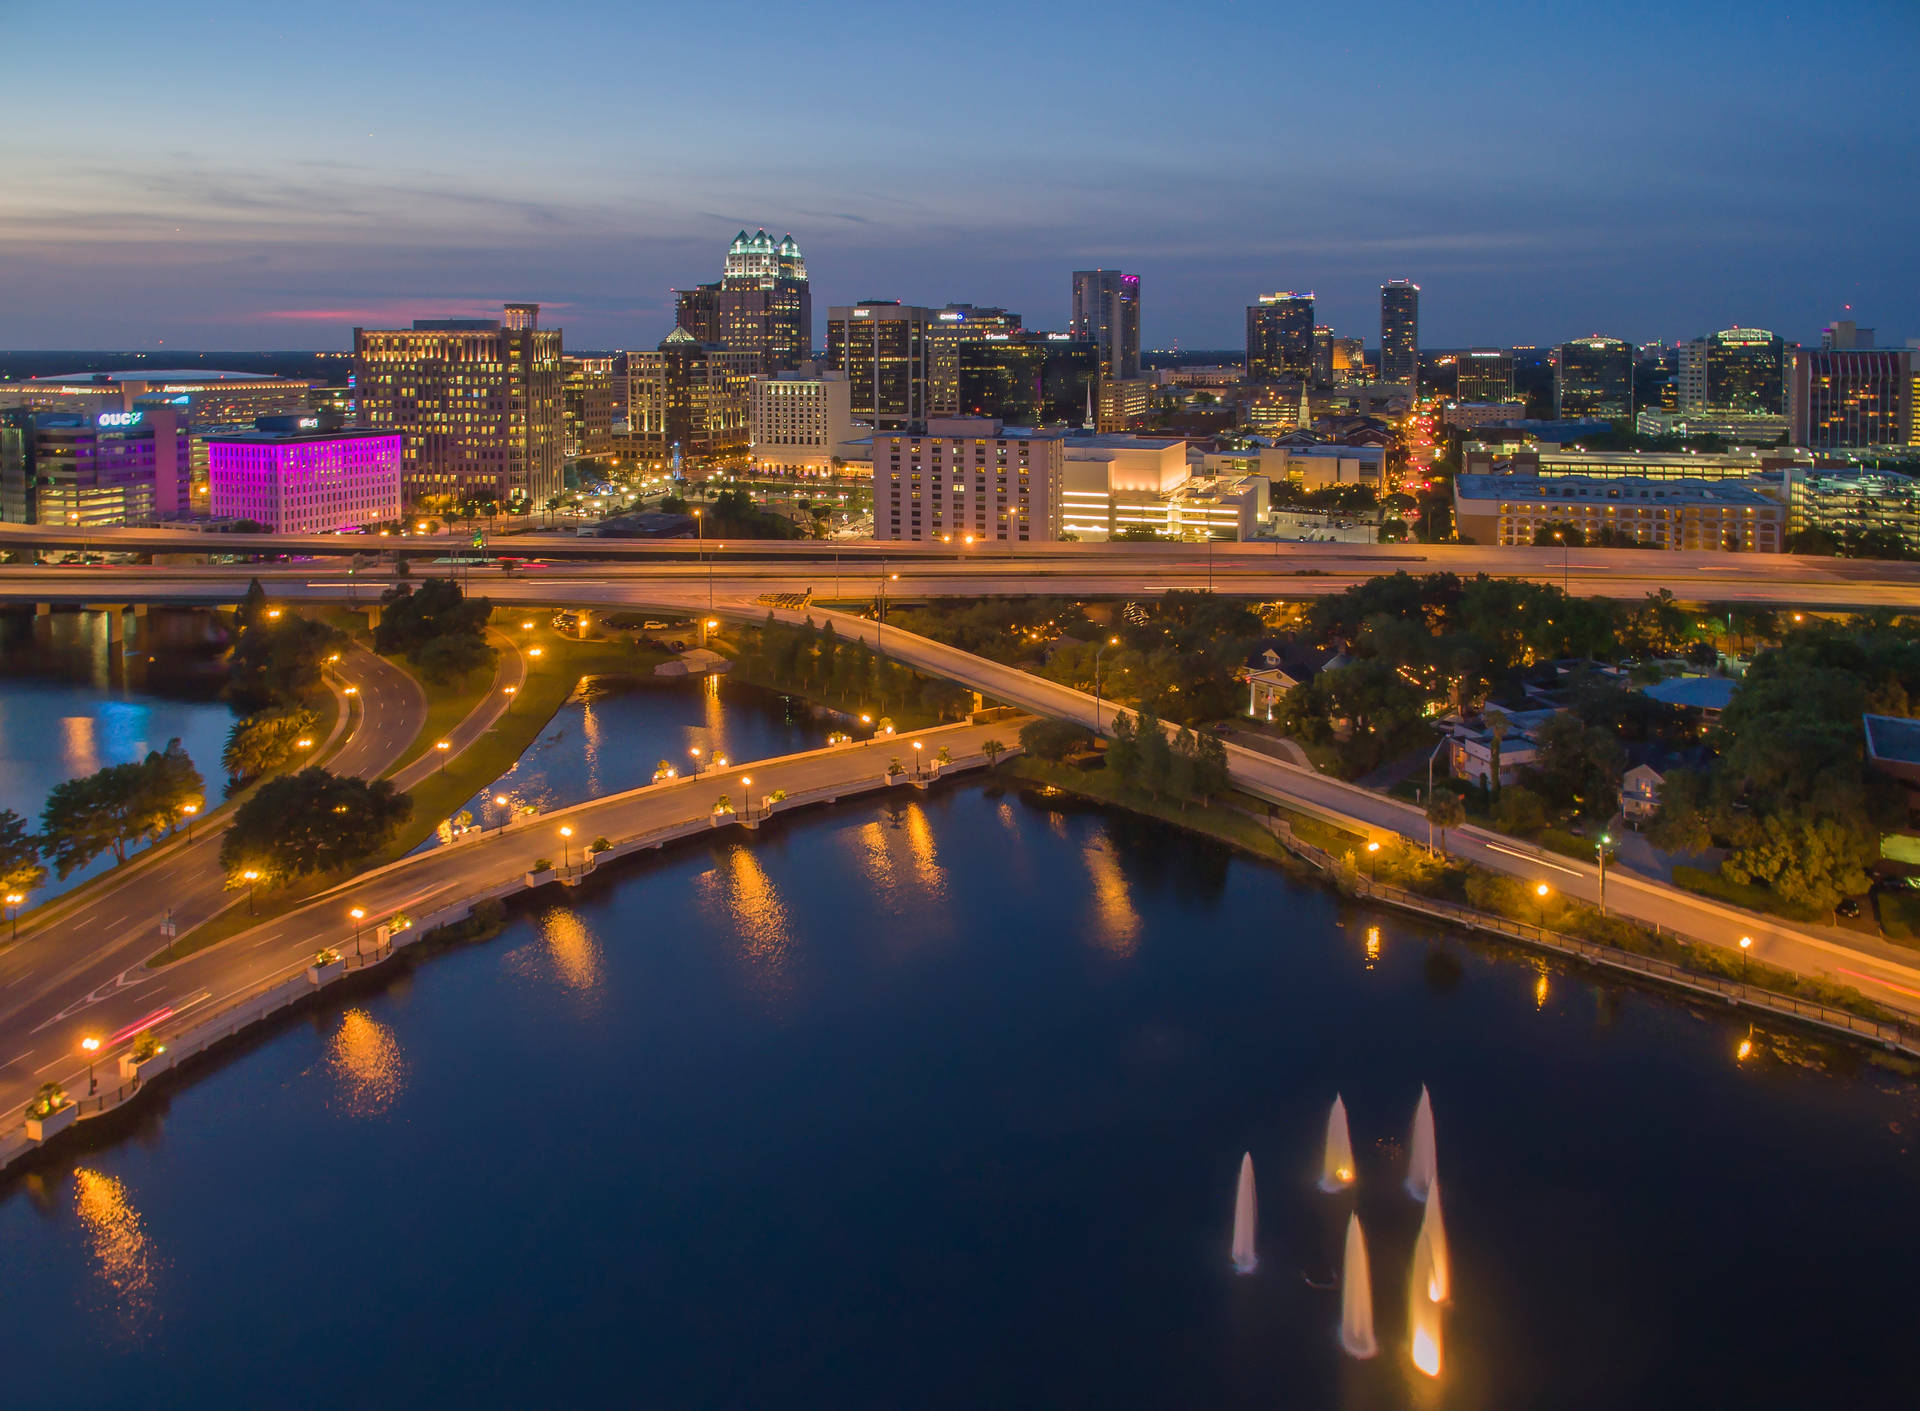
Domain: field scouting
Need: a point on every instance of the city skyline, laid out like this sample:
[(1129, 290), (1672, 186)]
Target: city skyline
[(285, 203)]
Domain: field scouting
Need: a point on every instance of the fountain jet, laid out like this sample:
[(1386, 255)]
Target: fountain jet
[(1423, 1309), (1356, 1296), (1336, 1171), (1421, 1167), (1244, 1216), (1433, 1240)]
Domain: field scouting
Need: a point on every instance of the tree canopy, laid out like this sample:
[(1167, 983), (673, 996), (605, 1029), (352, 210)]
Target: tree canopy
[(117, 806), (309, 822), (411, 617)]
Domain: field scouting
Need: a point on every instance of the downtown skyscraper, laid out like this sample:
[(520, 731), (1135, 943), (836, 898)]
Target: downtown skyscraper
[(762, 304), (1106, 313), (1400, 332), (1280, 338)]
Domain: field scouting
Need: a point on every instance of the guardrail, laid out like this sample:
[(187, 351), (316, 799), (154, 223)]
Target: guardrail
[(1896, 1036)]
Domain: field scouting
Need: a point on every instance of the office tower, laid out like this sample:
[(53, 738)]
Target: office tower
[(1735, 370), (94, 470), (1349, 360), (1852, 398), (686, 399), (1323, 341), (882, 348), (1031, 379), (1593, 377), (477, 404), (1106, 312), (587, 407), (762, 304), (797, 421), (968, 477), (948, 329), (1483, 375), (1280, 338), (1400, 332), (293, 475), (1845, 335)]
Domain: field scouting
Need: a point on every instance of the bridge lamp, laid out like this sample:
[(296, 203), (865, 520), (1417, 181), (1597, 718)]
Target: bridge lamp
[(303, 743), (566, 832), (91, 1045)]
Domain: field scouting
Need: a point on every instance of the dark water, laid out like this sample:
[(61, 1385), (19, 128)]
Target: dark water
[(73, 701), (614, 732), (939, 1103)]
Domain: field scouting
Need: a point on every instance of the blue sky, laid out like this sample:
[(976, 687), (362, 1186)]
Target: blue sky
[(265, 176)]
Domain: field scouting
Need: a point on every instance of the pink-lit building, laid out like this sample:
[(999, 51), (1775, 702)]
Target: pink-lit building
[(293, 477)]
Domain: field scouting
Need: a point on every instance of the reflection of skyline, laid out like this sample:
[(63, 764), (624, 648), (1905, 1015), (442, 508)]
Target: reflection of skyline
[(367, 1062), (126, 1261), (738, 886), (1117, 929)]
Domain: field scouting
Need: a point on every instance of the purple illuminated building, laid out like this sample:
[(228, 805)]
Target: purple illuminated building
[(294, 476)]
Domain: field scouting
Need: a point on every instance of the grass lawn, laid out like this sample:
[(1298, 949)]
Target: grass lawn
[(1899, 913), (1712, 884), (1216, 821)]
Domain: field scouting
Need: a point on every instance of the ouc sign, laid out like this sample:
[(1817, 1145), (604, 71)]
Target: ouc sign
[(108, 419)]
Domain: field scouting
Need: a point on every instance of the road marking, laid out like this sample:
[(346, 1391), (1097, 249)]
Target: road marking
[(1530, 857), (16, 1058)]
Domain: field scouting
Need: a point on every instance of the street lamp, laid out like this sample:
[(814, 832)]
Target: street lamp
[(1600, 852), (189, 809), (917, 747), (303, 743), (1746, 945), (250, 877), (512, 691), (1372, 848), (1110, 642), (359, 914), (1540, 891), (14, 899), (694, 750), (566, 832), (1566, 562), (92, 1046), (443, 746)]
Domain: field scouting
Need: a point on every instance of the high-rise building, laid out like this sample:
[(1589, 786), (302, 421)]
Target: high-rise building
[(686, 399), (882, 348), (968, 477), (1106, 312), (797, 421), (292, 475), (588, 401), (1741, 370), (1323, 341), (1349, 360), (1483, 375), (477, 403), (946, 331), (1280, 338), (1593, 377), (1031, 379), (1852, 398), (763, 303), (1400, 332), (94, 470)]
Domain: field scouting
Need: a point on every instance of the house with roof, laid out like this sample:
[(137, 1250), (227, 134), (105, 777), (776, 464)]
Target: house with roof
[(1470, 744), (1640, 793)]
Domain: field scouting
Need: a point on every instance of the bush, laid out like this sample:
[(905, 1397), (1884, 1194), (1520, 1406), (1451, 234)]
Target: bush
[(1520, 811), (1712, 884), (1052, 739)]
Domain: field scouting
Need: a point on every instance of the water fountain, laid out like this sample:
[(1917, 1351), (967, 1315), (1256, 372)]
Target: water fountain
[(1433, 1239), (1421, 1168), (1423, 1309), (1244, 1216), (1356, 1296), (1336, 1171)]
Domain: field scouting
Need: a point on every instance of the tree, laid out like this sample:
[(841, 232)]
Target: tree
[(445, 659), (20, 869), (309, 822), (412, 617), (260, 743), (1559, 532), (1444, 811), (1052, 739), (992, 749), (1520, 811), (116, 806), (276, 662), (1497, 727), (1575, 764)]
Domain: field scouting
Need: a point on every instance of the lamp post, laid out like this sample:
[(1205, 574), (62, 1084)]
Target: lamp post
[(566, 833), (512, 691), (745, 797), (1110, 642), (189, 809), (1566, 561), (1746, 945), (917, 747), (250, 877), (1600, 854), (92, 1046), (1372, 848), (694, 750), (14, 899), (443, 746), (359, 914), (1540, 891)]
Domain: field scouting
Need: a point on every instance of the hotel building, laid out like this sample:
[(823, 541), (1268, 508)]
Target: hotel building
[(966, 479), (801, 424), (882, 347), (1668, 514), (290, 476), (478, 404)]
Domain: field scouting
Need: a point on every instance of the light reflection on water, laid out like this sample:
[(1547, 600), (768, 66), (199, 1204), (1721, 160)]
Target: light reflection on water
[(737, 893), (124, 1257), (1116, 923), (367, 1064), (573, 954)]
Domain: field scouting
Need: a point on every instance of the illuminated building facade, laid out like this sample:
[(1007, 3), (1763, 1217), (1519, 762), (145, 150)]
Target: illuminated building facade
[(882, 347), (291, 476), (1852, 398), (1400, 332), (687, 397), (1740, 370), (587, 407), (799, 423), (947, 330), (762, 305), (98, 470), (1030, 379), (205, 399), (968, 479), (1593, 377), (1106, 313), (1483, 375), (478, 404), (1670, 514), (1280, 338)]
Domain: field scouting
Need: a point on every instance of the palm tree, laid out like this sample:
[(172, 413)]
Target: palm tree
[(1444, 811), (1497, 726), (992, 749)]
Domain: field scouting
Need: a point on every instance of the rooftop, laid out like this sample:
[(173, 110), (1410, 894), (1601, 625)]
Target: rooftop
[(82, 380), (1694, 692), (1892, 738), (1559, 489)]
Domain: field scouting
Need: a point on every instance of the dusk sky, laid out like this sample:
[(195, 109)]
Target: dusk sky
[(228, 175)]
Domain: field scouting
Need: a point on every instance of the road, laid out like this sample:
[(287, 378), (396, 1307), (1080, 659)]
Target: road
[(509, 672), (47, 1008)]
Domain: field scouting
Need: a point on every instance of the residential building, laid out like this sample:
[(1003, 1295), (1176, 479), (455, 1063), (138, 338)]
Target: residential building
[(1483, 375), (1400, 333), (687, 399), (94, 470), (1852, 398), (1738, 369), (800, 422), (1106, 313), (968, 479), (881, 346), (1471, 746), (294, 475), (587, 407), (1593, 377), (1640, 793), (478, 404), (1280, 338), (947, 329), (1667, 514), (1545, 460), (762, 304)]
